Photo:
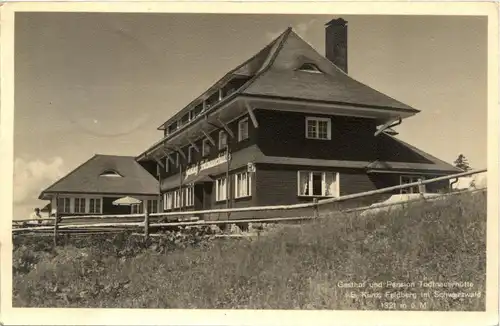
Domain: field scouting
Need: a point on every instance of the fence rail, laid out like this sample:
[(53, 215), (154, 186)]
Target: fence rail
[(146, 224)]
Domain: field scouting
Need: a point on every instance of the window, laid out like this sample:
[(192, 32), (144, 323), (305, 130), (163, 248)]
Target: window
[(309, 67), (243, 129), (95, 206), (325, 184), (405, 179), (220, 191), (318, 128), (167, 165), (222, 140), (63, 205), (80, 205), (177, 199), (189, 196), (110, 173), (190, 154), (177, 160), (137, 208), (205, 147), (152, 206), (168, 201), (242, 185)]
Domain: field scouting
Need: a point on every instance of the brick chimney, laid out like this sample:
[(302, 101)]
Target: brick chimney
[(336, 42)]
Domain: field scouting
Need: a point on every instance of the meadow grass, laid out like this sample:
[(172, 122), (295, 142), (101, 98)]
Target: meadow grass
[(291, 268)]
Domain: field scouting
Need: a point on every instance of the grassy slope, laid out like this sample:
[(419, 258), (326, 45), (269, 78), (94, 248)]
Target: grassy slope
[(293, 268)]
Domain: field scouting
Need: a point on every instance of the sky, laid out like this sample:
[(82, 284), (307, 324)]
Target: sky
[(101, 83)]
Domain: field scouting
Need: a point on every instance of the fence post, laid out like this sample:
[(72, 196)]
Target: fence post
[(316, 208), (56, 221), (146, 223)]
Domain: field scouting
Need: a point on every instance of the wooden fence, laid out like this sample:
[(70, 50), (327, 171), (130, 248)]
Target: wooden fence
[(146, 219)]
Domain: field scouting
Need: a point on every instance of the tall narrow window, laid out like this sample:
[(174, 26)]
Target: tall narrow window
[(318, 128), (137, 208), (167, 165), (190, 154), (222, 140), (205, 147), (63, 205), (323, 184), (94, 205), (220, 191), (168, 201), (243, 129), (153, 206), (242, 185), (177, 199), (79, 205), (177, 160), (189, 196)]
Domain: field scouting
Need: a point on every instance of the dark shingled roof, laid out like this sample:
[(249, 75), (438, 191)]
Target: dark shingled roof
[(280, 78), (134, 180), (395, 154)]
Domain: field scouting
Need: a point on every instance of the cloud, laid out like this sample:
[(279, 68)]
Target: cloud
[(30, 177), (302, 29)]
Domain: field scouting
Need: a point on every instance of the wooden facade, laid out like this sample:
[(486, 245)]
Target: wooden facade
[(309, 131)]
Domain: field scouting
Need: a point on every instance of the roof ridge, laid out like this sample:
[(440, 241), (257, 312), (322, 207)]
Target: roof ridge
[(113, 155), (284, 36), (67, 175)]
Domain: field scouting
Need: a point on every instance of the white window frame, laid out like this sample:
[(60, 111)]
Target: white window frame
[(204, 145), (137, 208), (412, 179), (177, 199), (77, 208), (66, 205), (242, 180), (152, 208), (336, 176), (222, 133), (221, 189), (188, 196), (242, 137), (97, 209), (317, 120), (168, 201)]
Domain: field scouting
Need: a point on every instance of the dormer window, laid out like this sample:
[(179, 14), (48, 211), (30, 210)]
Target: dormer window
[(111, 173), (310, 67)]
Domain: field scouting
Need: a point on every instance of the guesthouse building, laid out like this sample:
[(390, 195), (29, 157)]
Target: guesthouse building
[(286, 126), (92, 187)]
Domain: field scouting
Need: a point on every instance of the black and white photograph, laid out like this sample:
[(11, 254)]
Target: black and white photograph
[(248, 161)]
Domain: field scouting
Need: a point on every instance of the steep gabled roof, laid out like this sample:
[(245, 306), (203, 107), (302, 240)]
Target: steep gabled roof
[(282, 79), (86, 178)]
